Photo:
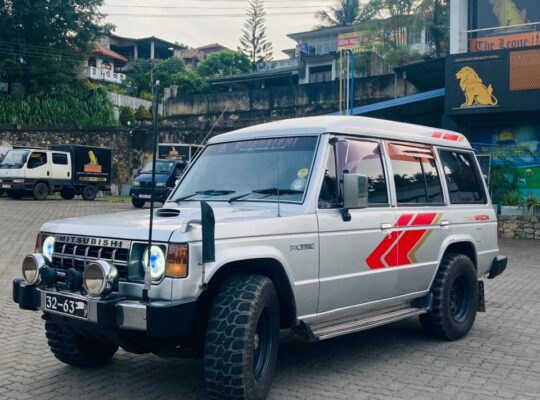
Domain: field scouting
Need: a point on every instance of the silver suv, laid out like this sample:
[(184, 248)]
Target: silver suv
[(327, 225)]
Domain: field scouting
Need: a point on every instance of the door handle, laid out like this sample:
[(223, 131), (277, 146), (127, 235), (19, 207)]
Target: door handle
[(385, 227), (445, 223)]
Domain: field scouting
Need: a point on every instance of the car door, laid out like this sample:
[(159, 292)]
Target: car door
[(423, 218), (38, 165), (60, 166), (351, 251)]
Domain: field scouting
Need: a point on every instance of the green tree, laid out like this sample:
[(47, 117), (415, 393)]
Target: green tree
[(44, 43), (190, 82), (254, 42), (127, 116), (167, 69), (140, 76), (225, 63), (436, 18), (348, 12)]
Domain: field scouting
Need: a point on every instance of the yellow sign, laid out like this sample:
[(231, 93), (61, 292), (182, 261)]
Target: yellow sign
[(93, 166), (476, 93)]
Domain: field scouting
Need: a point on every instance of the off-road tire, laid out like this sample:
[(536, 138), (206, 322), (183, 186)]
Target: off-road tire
[(230, 354), (89, 193), (446, 320), (40, 191), (77, 350), (137, 203), (67, 193)]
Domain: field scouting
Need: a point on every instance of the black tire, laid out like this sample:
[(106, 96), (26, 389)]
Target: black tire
[(77, 350), (67, 193), (40, 191), (89, 192), (137, 203), (16, 194), (242, 339), (455, 299)]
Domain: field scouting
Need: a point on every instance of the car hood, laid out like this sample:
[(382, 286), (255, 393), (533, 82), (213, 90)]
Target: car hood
[(147, 178), (231, 222)]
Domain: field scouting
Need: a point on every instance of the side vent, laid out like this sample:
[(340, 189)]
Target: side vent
[(167, 212)]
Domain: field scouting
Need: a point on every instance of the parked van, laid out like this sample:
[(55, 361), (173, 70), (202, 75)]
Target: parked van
[(68, 169), (325, 225)]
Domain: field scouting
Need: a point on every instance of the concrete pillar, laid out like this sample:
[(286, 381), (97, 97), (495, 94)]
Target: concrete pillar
[(459, 13), (152, 50)]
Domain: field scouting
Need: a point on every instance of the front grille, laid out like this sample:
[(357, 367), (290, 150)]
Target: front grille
[(67, 255)]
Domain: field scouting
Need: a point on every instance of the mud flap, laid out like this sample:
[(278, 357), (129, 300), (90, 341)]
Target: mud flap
[(481, 297)]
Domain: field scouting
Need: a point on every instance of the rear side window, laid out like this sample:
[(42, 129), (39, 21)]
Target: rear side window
[(59, 159), (464, 182), (415, 174)]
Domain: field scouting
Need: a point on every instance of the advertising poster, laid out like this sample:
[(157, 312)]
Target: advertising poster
[(514, 147), (515, 18)]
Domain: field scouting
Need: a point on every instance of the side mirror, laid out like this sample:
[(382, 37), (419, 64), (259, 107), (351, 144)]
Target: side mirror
[(355, 191)]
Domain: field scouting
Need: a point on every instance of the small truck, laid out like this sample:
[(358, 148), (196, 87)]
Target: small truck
[(66, 169)]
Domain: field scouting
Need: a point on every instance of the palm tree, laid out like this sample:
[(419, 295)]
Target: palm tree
[(347, 12)]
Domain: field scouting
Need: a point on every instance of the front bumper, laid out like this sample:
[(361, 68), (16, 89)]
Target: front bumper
[(159, 319), (160, 193), (498, 266)]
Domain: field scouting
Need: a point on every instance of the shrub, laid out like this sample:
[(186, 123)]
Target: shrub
[(530, 203), (146, 96), (142, 114), (127, 115), (512, 198)]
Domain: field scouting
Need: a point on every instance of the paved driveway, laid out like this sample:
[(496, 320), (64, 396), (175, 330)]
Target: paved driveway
[(500, 359)]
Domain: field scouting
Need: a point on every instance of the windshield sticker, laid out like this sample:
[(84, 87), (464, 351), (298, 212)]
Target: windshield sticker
[(303, 173), (298, 184)]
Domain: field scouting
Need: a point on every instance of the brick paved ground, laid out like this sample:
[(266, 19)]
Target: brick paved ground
[(500, 359)]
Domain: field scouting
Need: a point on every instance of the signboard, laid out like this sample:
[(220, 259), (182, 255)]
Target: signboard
[(514, 150), (180, 152), (504, 24), (498, 81), (362, 41)]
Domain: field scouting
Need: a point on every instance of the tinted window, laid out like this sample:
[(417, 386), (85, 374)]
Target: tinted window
[(415, 174), (37, 159), (60, 159), (464, 184)]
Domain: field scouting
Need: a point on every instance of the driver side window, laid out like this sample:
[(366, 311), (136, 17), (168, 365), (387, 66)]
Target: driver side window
[(355, 157), (37, 159)]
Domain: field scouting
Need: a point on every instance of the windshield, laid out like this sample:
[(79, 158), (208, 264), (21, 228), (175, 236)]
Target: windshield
[(162, 167), (251, 170), (14, 159)]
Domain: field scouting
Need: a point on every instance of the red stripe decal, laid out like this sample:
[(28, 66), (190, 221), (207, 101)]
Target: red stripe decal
[(404, 219), (424, 219), (374, 260)]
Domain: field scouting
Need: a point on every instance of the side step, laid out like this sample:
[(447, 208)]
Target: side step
[(328, 332)]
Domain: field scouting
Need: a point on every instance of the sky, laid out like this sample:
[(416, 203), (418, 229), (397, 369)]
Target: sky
[(200, 22)]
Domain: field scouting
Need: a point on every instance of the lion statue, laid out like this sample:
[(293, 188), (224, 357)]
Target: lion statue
[(476, 93), (507, 13), (93, 158)]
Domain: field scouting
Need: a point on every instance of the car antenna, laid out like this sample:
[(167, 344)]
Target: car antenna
[(278, 198), (213, 126)]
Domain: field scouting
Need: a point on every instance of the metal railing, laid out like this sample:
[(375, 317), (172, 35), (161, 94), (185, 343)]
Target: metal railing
[(104, 74)]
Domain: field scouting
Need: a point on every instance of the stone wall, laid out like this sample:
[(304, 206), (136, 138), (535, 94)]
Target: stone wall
[(519, 227)]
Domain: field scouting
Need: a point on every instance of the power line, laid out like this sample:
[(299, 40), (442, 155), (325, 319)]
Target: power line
[(183, 16)]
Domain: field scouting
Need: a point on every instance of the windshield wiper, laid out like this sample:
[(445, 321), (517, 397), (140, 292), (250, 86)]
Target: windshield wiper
[(207, 193), (268, 192)]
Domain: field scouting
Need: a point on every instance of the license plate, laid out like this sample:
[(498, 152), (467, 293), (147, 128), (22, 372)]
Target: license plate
[(145, 196), (6, 186), (66, 305)]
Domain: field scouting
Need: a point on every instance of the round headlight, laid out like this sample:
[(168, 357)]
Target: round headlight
[(30, 268), (157, 262), (47, 248), (100, 278)]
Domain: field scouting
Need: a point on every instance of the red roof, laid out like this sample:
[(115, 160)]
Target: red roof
[(106, 52)]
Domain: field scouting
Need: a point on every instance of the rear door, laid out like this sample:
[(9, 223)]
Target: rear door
[(351, 272), (422, 216), (61, 168)]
